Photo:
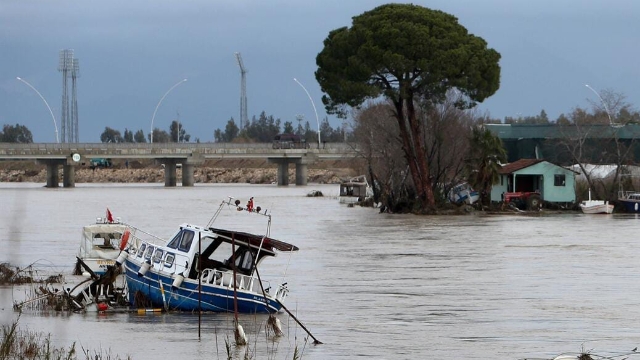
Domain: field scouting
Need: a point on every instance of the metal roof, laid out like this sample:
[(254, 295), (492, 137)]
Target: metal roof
[(518, 165), (531, 131)]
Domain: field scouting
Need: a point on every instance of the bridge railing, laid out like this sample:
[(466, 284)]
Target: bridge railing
[(113, 146), (157, 150)]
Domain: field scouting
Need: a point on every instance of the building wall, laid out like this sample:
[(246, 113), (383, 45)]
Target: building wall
[(549, 190)]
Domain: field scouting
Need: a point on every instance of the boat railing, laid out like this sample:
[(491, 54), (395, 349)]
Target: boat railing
[(282, 292), (626, 194), (141, 235), (225, 278)]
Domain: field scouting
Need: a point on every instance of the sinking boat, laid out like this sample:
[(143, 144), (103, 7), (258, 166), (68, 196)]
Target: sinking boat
[(100, 245), (596, 206), (463, 194), (355, 190), (206, 268)]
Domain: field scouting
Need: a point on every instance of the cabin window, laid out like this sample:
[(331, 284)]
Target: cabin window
[(143, 247), (185, 242), (157, 256), (182, 240), (169, 259), (175, 241), (247, 260), (103, 241), (222, 253), (149, 252), (558, 180)]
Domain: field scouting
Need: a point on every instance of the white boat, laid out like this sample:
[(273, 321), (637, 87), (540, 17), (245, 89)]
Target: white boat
[(596, 206), (355, 190), (100, 245)]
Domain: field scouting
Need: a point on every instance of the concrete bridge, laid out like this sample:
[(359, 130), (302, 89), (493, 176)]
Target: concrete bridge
[(189, 155)]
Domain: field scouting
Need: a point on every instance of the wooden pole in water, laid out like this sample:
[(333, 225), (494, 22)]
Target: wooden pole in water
[(199, 282), (233, 267), (240, 336), (315, 341)]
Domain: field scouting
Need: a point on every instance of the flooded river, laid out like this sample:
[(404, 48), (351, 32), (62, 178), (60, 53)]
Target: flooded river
[(367, 285)]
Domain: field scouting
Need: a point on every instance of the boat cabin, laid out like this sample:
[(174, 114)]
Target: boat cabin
[(222, 250), (353, 189)]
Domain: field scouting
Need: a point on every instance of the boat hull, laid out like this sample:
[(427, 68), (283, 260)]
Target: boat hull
[(631, 205), (598, 209), (157, 288), (99, 266)]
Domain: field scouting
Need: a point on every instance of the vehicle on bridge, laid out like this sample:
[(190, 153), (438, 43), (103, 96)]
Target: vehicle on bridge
[(289, 141), (100, 162)]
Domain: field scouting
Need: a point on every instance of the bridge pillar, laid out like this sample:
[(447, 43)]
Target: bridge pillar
[(68, 175), (187, 174), (170, 174), (301, 173), (283, 172), (53, 180)]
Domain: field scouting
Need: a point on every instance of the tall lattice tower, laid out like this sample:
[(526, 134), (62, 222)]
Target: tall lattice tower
[(244, 121), (75, 74), (70, 69)]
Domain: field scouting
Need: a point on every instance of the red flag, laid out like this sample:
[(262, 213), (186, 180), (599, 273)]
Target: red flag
[(109, 216)]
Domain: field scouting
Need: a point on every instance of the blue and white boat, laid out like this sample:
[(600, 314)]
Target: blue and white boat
[(205, 268), (630, 200), (463, 193)]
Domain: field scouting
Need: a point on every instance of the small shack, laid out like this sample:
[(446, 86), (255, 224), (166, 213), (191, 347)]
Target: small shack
[(554, 183)]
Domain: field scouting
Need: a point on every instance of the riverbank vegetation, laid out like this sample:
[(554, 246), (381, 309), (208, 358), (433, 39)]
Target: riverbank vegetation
[(18, 344)]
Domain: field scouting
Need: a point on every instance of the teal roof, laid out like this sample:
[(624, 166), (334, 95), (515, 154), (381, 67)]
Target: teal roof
[(527, 131)]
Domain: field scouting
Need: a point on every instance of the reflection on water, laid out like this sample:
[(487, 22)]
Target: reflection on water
[(366, 284)]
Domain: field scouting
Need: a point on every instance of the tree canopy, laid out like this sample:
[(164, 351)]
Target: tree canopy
[(405, 52), (110, 135), (16, 134)]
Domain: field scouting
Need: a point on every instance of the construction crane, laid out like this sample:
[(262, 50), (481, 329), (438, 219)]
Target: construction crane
[(243, 92)]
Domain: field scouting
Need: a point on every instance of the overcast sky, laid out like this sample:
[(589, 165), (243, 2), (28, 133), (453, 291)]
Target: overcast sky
[(132, 52)]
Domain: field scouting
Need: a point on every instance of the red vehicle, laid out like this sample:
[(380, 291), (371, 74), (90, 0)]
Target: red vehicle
[(524, 200)]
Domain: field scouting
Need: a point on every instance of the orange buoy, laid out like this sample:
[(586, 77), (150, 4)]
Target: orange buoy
[(102, 306), (125, 239)]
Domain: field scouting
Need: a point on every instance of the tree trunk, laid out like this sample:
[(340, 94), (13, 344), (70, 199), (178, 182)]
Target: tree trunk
[(426, 192), (414, 151)]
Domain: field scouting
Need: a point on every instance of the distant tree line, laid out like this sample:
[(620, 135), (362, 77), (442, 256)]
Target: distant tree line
[(176, 133), (265, 128)]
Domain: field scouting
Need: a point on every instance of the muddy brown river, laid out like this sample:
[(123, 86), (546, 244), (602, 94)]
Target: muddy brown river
[(368, 285)]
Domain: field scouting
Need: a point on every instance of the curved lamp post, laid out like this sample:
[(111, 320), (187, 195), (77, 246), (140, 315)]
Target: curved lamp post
[(45, 102), (603, 103), (314, 109), (159, 102)]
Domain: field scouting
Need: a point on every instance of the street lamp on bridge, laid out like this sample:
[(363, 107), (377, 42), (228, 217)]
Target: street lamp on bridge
[(314, 108), (45, 102), (159, 102)]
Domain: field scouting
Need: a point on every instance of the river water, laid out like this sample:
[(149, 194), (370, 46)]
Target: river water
[(368, 285)]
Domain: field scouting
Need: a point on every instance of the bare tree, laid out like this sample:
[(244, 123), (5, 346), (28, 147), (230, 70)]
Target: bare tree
[(379, 145), (446, 137)]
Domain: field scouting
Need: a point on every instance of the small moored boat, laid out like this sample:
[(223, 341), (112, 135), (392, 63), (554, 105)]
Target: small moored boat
[(630, 200), (596, 206), (206, 268)]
